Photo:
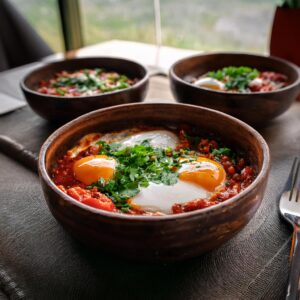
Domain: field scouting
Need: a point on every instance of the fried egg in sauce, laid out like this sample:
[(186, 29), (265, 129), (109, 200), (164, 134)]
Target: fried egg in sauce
[(91, 168), (199, 178), (129, 137), (210, 83), (156, 138)]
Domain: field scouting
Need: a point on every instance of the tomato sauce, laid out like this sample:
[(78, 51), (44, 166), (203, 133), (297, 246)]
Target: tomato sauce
[(239, 175)]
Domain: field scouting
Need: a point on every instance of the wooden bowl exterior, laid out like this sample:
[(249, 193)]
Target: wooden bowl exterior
[(164, 238), (55, 108), (253, 108)]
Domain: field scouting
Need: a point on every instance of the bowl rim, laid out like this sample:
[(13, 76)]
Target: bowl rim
[(118, 216), (142, 81), (291, 65)]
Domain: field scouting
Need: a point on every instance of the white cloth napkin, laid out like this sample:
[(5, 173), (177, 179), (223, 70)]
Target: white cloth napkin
[(8, 104)]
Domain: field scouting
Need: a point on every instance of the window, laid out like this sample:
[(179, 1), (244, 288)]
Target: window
[(44, 18), (236, 25), (118, 19)]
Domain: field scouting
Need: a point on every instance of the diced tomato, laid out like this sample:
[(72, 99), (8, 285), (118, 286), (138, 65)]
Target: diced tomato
[(92, 198), (77, 193), (231, 170), (239, 176), (192, 205), (105, 204)]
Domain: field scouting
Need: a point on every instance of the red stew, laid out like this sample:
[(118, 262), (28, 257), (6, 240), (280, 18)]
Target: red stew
[(86, 82), (239, 175)]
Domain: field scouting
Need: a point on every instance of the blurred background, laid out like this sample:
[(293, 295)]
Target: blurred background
[(241, 25)]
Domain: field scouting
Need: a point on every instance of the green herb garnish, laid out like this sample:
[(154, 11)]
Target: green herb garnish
[(193, 140), (235, 78), (60, 92), (88, 80), (137, 166), (222, 151)]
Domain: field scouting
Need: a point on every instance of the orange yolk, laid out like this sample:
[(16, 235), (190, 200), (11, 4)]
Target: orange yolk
[(91, 168), (212, 87), (207, 173)]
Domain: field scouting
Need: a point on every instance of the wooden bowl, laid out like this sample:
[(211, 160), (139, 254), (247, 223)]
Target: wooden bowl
[(56, 108), (254, 108), (159, 238)]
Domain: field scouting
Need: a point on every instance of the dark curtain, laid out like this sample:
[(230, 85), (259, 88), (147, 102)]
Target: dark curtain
[(19, 42)]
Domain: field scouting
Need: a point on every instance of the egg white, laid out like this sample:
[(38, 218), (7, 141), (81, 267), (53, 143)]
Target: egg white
[(210, 83), (156, 138), (127, 138), (160, 197), (256, 82), (156, 197)]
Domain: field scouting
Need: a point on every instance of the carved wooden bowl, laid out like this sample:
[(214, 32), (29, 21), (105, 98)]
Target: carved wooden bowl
[(254, 108), (58, 109), (159, 238)]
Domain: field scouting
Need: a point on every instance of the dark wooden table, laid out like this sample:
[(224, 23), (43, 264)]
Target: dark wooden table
[(38, 260)]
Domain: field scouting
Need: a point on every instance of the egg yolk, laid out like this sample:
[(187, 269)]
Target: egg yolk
[(91, 168), (207, 173), (212, 87), (210, 83)]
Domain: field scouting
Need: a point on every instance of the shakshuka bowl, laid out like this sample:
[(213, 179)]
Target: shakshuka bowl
[(62, 108), (156, 238), (254, 108)]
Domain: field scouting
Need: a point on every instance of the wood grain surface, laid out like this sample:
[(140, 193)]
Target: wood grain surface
[(44, 262)]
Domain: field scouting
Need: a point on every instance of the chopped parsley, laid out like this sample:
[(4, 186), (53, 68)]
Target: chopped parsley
[(217, 153), (221, 151), (235, 78), (137, 166), (90, 80), (60, 91), (141, 164), (193, 140)]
